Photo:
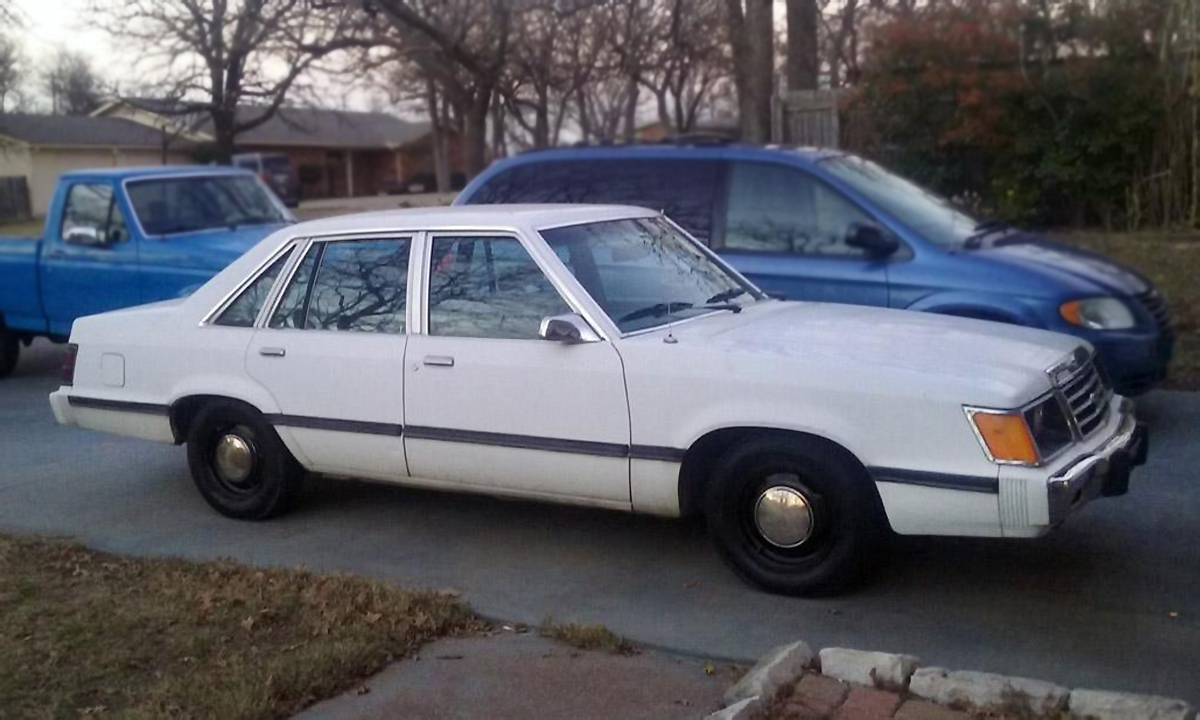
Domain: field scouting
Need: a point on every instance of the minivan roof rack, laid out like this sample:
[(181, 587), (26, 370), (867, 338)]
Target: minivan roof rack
[(684, 139)]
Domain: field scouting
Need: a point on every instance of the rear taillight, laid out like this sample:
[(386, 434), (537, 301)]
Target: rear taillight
[(68, 364)]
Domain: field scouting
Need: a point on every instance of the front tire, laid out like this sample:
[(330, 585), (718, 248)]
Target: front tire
[(10, 352), (794, 515), (239, 464)]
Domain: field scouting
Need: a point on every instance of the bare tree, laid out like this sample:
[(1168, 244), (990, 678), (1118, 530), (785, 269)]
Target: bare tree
[(689, 59), (216, 55), (72, 84), (752, 39), (463, 45), (12, 73)]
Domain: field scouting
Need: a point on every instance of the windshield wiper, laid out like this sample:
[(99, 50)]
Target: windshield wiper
[(726, 296), (661, 309), (983, 230)]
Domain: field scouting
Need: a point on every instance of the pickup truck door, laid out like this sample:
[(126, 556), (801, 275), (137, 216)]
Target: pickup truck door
[(89, 260), (491, 407), (785, 230), (331, 355)]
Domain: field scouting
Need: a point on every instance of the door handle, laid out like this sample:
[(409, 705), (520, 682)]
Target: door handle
[(439, 360), (272, 352)]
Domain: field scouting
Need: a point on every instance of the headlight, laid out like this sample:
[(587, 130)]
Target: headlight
[(1103, 313), (1023, 437)]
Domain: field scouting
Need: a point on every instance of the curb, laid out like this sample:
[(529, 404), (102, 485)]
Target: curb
[(967, 690)]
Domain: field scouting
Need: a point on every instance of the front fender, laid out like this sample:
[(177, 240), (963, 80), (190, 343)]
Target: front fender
[(972, 305)]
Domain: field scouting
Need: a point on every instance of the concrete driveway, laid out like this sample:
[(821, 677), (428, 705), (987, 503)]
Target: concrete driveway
[(1112, 600)]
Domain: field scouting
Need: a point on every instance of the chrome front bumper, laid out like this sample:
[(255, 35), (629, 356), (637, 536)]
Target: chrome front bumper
[(1102, 472)]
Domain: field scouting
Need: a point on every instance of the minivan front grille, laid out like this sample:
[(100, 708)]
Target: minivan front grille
[(1087, 394), (1156, 305)]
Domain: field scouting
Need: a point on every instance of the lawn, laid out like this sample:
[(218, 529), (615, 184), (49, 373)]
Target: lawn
[(1172, 261), (89, 634)]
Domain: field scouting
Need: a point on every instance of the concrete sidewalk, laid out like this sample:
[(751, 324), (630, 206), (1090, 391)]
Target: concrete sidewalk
[(509, 675)]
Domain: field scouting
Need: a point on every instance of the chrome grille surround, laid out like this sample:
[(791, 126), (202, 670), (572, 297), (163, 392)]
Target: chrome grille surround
[(1084, 392)]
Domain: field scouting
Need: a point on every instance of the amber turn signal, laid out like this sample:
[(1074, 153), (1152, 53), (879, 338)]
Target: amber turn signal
[(1006, 436)]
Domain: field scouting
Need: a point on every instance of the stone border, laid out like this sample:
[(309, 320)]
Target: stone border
[(959, 689)]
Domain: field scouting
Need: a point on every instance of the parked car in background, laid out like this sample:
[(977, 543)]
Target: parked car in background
[(600, 356), (116, 238), (825, 225), (275, 170)]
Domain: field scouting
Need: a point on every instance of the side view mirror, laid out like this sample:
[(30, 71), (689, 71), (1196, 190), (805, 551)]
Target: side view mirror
[(569, 329), (871, 239), (84, 235)]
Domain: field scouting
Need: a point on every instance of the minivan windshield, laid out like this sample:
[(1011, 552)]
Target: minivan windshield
[(932, 216), (645, 273), (165, 206)]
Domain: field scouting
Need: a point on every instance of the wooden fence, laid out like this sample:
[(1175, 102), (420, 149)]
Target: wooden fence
[(807, 117)]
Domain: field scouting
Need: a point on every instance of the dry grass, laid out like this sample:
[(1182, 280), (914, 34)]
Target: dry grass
[(1172, 261), (587, 637), (85, 633)]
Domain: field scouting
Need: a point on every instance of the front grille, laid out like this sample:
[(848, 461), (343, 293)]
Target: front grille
[(1087, 394), (1156, 305)]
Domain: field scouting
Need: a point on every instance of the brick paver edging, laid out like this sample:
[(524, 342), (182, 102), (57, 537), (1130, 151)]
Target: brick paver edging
[(792, 682)]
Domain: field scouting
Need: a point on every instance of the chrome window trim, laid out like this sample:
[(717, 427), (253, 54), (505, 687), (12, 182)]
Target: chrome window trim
[(228, 298), (564, 292), (276, 297), (288, 217)]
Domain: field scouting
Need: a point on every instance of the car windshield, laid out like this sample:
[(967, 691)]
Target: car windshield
[(644, 272), (165, 206), (932, 216)]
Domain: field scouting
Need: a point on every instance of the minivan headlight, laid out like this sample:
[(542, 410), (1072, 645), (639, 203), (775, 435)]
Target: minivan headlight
[(1102, 313)]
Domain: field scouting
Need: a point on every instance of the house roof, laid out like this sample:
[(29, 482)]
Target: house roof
[(78, 131), (313, 127)]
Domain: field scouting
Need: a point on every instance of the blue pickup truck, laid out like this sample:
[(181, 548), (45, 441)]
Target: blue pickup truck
[(827, 226), (122, 237)]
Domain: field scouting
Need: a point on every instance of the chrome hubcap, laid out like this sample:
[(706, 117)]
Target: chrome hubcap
[(234, 458), (783, 516)]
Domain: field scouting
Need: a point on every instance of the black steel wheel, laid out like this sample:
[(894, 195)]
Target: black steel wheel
[(794, 515), (239, 464)]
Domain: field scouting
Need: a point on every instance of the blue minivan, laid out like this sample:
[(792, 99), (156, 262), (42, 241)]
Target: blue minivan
[(824, 225)]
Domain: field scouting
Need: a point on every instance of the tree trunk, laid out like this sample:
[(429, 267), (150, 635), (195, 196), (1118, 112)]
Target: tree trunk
[(224, 136), (752, 36), (441, 161), (631, 103), (802, 62)]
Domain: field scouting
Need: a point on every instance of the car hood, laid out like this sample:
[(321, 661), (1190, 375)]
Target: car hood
[(1002, 364), (215, 249), (1082, 271)]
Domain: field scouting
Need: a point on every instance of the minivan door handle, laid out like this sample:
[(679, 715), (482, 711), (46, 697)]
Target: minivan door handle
[(439, 360), (272, 352)]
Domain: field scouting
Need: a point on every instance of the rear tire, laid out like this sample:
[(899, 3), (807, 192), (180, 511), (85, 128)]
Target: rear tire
[(239, 464), (794, 515), (10, 352)]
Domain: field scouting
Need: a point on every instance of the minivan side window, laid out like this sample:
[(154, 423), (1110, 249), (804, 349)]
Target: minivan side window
[(684, 189), (779, 209)]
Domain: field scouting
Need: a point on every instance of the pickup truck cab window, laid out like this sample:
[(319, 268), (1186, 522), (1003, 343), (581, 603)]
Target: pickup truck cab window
[(488, 287), (776, 208), (173, 205), (644, 272), (348, 285), (243, 311), (91, 216)]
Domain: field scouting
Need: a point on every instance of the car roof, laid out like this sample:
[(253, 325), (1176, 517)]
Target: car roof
[(130, 173), (469, 217), (678, 149)]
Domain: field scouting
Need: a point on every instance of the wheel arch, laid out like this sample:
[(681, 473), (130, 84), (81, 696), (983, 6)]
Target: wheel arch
[(183, 411), (699, 459)]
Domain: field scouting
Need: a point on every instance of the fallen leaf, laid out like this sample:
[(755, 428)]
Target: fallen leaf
[(373, 617), (449, 592), (248, 623), (709, 669), (363, 690)]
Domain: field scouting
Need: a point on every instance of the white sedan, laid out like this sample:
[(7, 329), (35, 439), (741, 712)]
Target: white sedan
[(600, 356)]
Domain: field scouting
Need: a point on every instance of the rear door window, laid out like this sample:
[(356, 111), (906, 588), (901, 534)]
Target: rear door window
[(684, 189)]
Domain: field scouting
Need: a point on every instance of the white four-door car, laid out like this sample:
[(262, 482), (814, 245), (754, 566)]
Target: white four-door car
[(600, 356)]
